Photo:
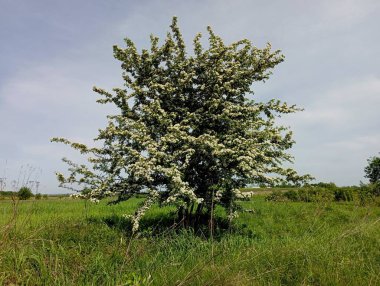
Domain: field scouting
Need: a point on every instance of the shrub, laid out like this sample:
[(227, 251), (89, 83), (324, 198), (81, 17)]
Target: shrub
[(329, 186), (292, 195), (24, 193), (328, 193), (315, 194), (276, 196), (306, 194), (38, 196), (368, 193), (376, 189), (343, 194)]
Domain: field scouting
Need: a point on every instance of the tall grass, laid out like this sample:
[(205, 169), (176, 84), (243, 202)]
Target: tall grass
[(70, 242)]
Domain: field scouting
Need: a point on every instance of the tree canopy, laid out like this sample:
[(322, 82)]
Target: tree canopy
[(186, 133), (372, 170)]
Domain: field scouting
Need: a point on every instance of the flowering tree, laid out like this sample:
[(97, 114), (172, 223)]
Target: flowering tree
[(186, 133)]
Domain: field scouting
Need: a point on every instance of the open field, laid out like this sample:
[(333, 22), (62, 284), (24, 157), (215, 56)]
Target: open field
[(71, 242)]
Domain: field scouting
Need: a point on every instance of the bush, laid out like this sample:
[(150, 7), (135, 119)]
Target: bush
[(24, 193), (292, 195), (45, 197), (276, 196), (343, 194), (369, 193), (376, 189), (329, 192), (7, 194), (305, 194), (315, 194), (38, 196), (325, 185)]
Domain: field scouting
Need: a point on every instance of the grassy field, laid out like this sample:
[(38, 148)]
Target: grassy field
[(70, 242)]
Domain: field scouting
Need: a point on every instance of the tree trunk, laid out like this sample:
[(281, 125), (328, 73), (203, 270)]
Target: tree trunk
[(198, 214)]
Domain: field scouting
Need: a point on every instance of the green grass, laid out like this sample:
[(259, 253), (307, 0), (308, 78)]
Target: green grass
[(69, 242)]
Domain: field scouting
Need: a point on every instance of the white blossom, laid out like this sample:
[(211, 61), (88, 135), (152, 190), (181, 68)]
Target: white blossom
[(186, 130)]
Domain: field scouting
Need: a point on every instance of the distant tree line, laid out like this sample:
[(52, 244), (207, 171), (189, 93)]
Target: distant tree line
[(24, 193)]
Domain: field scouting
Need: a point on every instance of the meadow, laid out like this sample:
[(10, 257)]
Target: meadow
[(73, 242)]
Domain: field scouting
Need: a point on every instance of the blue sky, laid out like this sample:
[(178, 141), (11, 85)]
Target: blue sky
[(53, 52)]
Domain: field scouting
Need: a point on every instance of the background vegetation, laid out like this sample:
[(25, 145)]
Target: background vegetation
[(25, 193)]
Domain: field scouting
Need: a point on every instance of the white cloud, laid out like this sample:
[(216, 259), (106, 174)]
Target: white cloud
[(346, 13), (356, 144), (354, 102), (339, 130), (42, 89)]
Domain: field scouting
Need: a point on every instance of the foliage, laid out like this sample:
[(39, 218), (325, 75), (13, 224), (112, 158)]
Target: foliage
[(343, 194), (330, 185), (276, 196), (372, 171), (369, 193), (314, 194), (25, 193), (38, 196), (292, 195), (283, 185), (186, 133), (7, 193)]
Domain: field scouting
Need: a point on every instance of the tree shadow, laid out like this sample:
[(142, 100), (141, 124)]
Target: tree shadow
[(169, 224)]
